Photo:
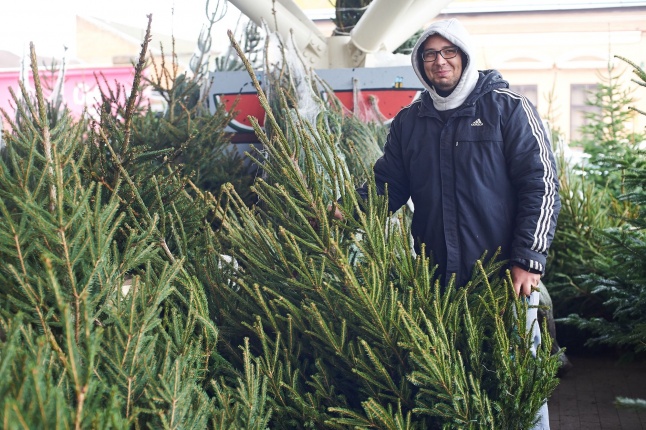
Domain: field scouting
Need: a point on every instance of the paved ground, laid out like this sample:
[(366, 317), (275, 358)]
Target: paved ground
[(584, 398)]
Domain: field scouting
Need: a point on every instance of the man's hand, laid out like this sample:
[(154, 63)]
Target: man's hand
[(331, 208), (523, 281), (337, 213)]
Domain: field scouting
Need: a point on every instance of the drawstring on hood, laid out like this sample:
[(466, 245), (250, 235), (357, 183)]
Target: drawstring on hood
[(453, 31)]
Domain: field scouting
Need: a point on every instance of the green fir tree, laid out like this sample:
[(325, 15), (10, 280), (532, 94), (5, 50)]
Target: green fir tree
[(103, 321), (619, 280), (131, 296), (608, 134), (350, 328)]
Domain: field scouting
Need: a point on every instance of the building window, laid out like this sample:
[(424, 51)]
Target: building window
[(579, 95), (529, 91)]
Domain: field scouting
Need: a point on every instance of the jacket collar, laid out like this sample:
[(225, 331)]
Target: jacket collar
[(486, 81)]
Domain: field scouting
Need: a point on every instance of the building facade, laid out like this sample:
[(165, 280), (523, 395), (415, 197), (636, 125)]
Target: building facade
[(555, 57)]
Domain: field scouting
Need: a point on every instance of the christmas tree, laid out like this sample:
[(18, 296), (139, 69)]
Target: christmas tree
[(618, 281), (349, 326), (103, 319), (130, 296)]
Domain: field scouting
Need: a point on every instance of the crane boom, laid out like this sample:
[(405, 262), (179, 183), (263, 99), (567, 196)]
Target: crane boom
[(384, 26)]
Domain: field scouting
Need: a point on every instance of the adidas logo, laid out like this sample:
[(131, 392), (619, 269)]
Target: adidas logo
[(477, 123)]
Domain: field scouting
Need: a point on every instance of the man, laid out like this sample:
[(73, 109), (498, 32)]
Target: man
[(477, 163)]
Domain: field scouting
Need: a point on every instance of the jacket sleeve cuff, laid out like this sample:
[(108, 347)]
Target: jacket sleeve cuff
[(530, 266)]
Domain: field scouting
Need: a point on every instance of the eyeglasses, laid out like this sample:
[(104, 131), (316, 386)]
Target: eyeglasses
[(430, 55)]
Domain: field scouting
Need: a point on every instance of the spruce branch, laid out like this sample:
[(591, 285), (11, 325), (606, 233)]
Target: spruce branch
[(261, 94), (641, 74), (43, 124), (136, 82)]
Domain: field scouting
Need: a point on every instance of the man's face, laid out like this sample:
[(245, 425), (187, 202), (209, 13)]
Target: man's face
[(442, 73)]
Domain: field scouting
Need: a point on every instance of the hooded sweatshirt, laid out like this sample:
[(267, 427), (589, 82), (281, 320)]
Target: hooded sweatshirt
[(482, 177), (453, 31)]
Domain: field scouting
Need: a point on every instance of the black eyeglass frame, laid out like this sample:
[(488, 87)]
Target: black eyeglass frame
[(443, 52)]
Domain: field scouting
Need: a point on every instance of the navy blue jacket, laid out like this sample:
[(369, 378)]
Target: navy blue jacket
[(485, 178)]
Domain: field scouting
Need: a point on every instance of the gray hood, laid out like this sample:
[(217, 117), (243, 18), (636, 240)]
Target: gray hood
[(453, 31)]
